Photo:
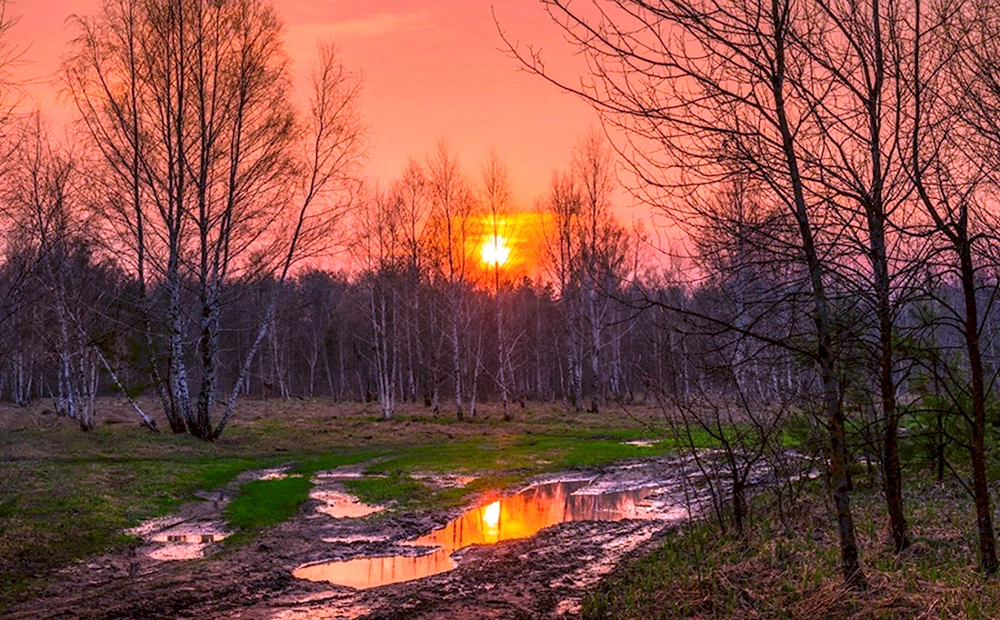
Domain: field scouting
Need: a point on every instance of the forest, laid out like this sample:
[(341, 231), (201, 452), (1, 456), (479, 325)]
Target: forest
[(205, 290)]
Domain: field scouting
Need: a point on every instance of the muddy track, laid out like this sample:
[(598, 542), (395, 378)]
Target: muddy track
[(542, 576)]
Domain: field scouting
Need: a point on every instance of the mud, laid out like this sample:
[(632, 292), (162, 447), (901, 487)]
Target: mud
[(545, 575)]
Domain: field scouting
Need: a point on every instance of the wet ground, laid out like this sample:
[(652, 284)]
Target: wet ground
[(532, 553), (509, 518)]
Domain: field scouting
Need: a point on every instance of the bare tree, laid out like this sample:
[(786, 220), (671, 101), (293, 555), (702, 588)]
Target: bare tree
[(379, 249), (41, 200), (189, 106), (857, 85), (593, 168), (452, 209), (412, 190), (564, 204), (952, 141), (334, 143), (704, 88), (495, 202)]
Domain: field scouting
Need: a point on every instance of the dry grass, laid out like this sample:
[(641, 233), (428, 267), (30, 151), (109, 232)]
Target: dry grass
[(273, 427), (789, 569)]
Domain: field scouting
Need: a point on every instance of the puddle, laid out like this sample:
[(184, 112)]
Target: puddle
[(341, 505), (641, 443), (364, 573), (166, 541), (190, 539), (518, 516)]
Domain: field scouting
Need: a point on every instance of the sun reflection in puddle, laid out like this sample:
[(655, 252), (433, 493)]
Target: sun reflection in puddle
[(518, 516)]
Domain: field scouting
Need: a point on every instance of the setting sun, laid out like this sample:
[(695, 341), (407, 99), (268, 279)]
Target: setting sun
[(512, 245), (495, 251)]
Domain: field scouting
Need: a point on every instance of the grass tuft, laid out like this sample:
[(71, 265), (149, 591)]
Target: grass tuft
[(395, 487), (266, 503)]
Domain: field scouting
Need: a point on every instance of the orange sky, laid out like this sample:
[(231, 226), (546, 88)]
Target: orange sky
[(432, 70)]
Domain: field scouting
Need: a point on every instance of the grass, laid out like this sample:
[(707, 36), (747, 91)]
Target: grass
[(67, 495), (787, 567), (55, 512), (499, 464), (266, 503), (396, 487)]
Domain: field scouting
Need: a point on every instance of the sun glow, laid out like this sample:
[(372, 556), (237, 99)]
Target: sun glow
[(511, 246), (495, 251)]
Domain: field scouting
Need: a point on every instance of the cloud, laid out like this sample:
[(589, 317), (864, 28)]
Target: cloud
[(374, 25)]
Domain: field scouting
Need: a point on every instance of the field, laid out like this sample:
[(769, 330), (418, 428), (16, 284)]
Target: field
[(68, 497)]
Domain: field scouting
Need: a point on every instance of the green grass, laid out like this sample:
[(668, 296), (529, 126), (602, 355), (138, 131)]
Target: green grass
[(311, 464), (395, 487), (531, 453), (499, 464), (56, 512), (266, 503)]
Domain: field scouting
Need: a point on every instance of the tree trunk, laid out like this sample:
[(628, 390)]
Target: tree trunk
[(980, 484), (597, 398), (456, 359), (502, 345), (850, 566)]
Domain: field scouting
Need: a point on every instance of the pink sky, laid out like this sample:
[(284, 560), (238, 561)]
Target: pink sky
[(433, 69)]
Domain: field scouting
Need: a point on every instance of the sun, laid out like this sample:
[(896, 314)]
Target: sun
[(495, 251)]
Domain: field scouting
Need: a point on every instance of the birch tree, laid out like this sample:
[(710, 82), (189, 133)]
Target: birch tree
[(452, 210), (189, 106), (495, 201)]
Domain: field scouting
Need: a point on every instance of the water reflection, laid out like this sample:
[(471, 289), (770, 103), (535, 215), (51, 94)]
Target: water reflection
[(341, 505), (183, 542), (518, 516), (365, 573), (191, 539)]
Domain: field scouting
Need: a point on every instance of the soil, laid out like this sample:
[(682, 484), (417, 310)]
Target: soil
[(543, 576)]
